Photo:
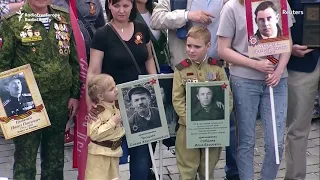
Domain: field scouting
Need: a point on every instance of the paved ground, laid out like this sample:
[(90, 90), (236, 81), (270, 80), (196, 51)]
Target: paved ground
[(170, 168)]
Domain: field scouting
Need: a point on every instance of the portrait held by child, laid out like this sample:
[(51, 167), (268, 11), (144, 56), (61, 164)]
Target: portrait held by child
[(105, 131)]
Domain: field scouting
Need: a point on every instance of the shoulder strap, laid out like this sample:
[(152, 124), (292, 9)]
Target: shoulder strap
[(129, 51)]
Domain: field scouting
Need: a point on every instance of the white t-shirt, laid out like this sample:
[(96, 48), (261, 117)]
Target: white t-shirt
[(146, 18), (233, 25)]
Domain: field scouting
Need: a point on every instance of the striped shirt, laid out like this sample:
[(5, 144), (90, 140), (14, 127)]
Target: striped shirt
[(46, 22), (4, 8)]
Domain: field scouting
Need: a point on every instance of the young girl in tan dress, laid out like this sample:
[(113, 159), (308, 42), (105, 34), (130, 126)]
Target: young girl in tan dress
[(105, 131)]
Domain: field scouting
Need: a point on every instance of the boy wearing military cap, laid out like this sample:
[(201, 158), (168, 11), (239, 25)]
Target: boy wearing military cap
[(198, 68)]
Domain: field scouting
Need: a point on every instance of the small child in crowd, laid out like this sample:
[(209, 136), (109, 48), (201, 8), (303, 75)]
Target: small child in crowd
[(201, 68), (105, 131)]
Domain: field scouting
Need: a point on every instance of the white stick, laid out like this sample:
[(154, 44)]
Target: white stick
[(161, 160), (153, 162), (274, 125), (207, 163)]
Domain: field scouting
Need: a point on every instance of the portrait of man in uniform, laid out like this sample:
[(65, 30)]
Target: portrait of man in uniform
[(15, 95), (144, 117), (267, 19), (206, 106)]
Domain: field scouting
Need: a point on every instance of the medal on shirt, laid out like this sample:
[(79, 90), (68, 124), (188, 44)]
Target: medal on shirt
[(63, 38), (139, 38), (210, 76), (1, 43), (56, 27), (92, 9), (28, 35)]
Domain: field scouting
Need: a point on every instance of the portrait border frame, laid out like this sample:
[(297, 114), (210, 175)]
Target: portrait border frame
[(264, 45), (148, 136), (190, 124), (37, 100), (160, 77)]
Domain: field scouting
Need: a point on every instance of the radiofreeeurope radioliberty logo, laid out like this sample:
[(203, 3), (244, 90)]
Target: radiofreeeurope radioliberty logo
[(35, 16)]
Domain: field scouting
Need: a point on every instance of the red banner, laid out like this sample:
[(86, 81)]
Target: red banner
[(80, 149)]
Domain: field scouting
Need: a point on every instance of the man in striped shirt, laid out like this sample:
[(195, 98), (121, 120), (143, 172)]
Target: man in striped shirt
[(51, 52)]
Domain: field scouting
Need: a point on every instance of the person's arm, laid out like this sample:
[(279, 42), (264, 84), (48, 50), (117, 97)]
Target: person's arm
[(15, 6), (163, 18), (7, 51), (179, 96), (150, 66), (99, 130), (96, 58), (11, 7), (74, 62), (98, 45), (274, 78)]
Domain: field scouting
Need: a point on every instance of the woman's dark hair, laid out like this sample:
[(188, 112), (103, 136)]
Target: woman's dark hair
[(149, 6), (133, 13)]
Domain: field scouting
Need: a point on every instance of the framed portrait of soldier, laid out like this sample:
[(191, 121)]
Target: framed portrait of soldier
[(21, 109), (142, 111), (267, 26), (311, 23), (165, 83), (207, 114)]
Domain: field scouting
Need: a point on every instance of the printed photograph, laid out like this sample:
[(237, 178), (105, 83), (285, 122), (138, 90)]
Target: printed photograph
[(141, 108), (266, 17), (20, 100), (142, 111), (207, 103), (207, 109), (267, 27), (15, 95), (166, 94)]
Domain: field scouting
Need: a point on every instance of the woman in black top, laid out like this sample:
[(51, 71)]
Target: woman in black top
[(109, 55)]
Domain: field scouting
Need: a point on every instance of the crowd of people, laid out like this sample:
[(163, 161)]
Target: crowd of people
[(191, 39)]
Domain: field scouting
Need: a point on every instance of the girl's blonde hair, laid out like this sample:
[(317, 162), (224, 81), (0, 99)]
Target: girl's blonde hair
[(98, 85), (241, 2)]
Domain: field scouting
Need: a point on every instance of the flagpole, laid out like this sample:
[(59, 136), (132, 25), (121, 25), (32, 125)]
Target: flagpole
[(274, 126), (273, 114)]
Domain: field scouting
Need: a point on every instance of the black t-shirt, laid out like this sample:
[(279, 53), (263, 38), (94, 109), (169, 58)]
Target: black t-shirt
[(117, 62)]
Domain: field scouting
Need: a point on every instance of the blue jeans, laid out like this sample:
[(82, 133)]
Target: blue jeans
[(251, 96), (139, 160), (231, 168)]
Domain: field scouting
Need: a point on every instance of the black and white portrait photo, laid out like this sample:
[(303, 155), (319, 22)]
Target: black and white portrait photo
[(267, 19), (142, 109), (15, 95), (166, 94), (207, 103)]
